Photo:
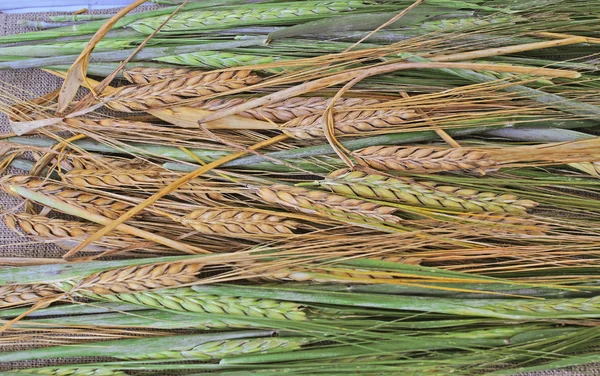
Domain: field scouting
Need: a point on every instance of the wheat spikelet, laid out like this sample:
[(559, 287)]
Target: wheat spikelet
[(25, 294), (142, 75), (327, 204), (147, 177), (185, 299), (218, 19), (72, 371), (136, 278), (237, 222), (422, 159), (226, 348), (93, 203), (429, 194), (168, 92), (347, 122)]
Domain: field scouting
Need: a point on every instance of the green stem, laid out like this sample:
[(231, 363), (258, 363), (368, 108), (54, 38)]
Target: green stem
[(144, 54)]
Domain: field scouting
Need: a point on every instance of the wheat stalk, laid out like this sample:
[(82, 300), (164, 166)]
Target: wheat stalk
[(168, 92), (136, 278), (237, 222), (422, 159), (430, 194), (11, 295), (211, 19), (226, 348), (348, 123), (327, 204)]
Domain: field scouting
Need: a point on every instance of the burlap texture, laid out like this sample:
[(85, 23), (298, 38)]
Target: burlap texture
[(36, 83)]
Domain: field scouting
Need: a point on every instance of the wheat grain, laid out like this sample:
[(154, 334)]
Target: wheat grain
[(429, 194), (327, 204), (168, 92), (237, 222), (422, 159)]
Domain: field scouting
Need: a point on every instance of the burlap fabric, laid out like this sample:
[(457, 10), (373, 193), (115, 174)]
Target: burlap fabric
[(35, 83)]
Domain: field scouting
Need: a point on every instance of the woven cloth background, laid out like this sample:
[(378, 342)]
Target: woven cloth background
[(35, 83)]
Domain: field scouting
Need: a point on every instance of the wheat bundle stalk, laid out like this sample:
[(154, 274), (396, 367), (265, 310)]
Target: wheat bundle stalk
[(327, 204), (237, 222), (430, 194), (196, 85)]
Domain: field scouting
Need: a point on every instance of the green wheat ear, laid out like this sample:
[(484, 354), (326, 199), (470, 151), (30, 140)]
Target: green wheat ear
[(222, 19)]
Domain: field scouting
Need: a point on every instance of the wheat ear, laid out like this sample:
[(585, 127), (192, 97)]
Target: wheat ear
[(327, 204), (422, 159), (237, 222), (168, 92), (11, 295), (136, 278), (348, 123), (429, 194)]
